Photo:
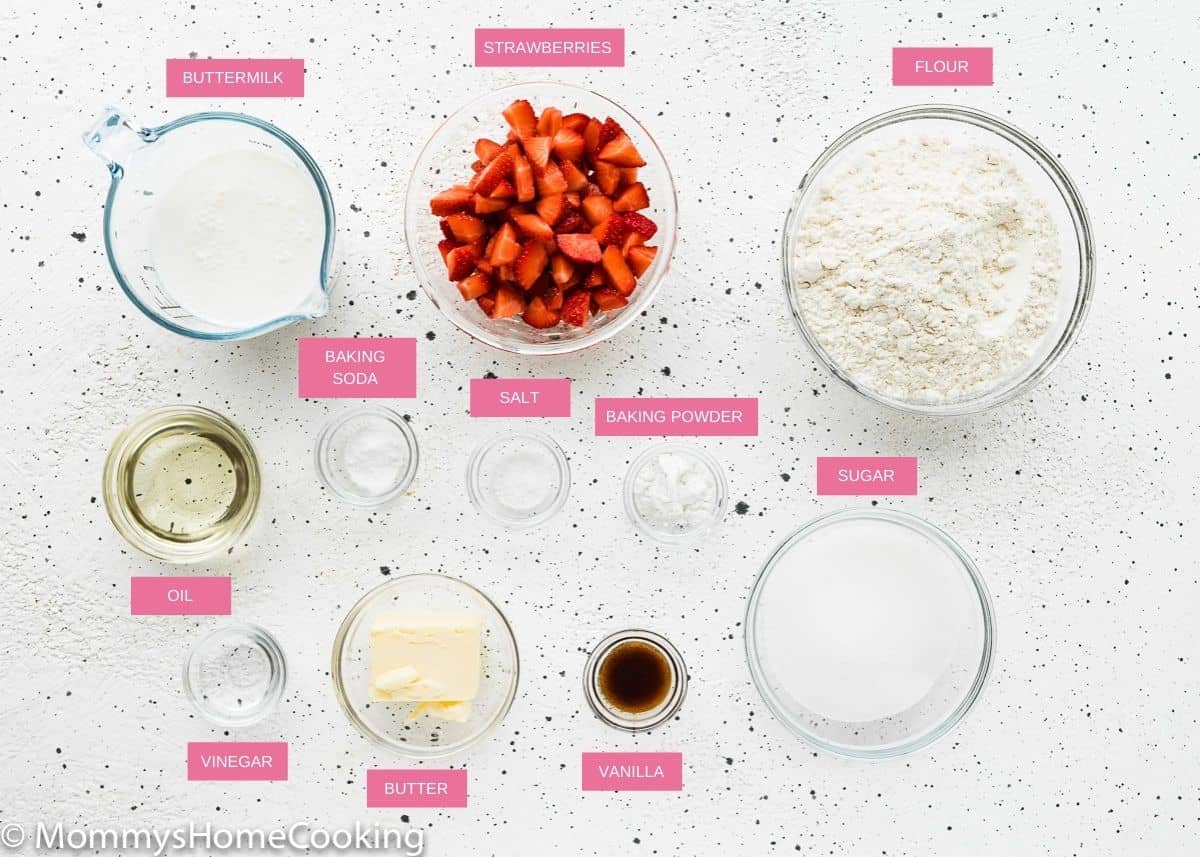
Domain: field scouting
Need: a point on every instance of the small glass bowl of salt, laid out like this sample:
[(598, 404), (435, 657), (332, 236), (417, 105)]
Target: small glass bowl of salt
[(367, 456), (675, 493)]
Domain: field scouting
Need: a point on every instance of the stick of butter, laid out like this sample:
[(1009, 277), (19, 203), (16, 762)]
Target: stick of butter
[(426, 656)]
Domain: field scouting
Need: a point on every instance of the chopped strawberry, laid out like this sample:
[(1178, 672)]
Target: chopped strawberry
[(572, 222), (568, 144), (576, 122), (607, 177), (460, 262), (577, 306), (537, 149), (521, 118), (487, 149), (617, 271), (445, 246), (591, 135), (487, 303), (505, 248), (550, 293), (476, 166), (594, 279), (534, 227), (551, 181), (509, 302), (561, 269), (629, 175), (538, 315), (640, 259), (489, 204), (633, 198), (576, 178), (504, 190), (551, 208), (550, 121), (523, 179), (640, 224), (633, 239), (496, 171), (450, 201), (466, 228), (607, 298), (530, 263), (579, 247), (621, 152), (445, 227), (612, 231), (597, 208), (475, 285), (609, 131)]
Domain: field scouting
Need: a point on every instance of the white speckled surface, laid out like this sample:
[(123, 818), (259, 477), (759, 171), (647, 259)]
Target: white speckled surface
[(1076, 501)]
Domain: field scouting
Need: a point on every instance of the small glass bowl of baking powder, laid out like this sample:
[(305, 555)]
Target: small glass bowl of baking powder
[(1036, 167), (675, 493), (367, 455)]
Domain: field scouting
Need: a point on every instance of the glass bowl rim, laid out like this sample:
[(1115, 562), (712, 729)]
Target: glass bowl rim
[(649, 288), (705, 457), (979, 586), (337, 421), (1072, 200), (266, 641), (380, 740)]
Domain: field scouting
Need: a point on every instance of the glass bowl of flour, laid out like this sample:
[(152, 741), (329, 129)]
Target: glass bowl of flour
[(938, 260), (869, 633)]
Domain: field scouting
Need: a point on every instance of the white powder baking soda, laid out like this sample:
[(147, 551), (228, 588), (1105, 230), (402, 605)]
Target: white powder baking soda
[(928, 270)]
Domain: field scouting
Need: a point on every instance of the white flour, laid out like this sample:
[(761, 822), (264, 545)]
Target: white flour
[(928, 270)]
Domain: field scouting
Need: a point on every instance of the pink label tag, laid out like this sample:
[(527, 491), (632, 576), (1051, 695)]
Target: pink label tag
[(640, 417), (867, 476), (358, 368), (180, 596), (942, 66), (520, 397), (416, 788), (555, 47), (632, 772), (237, 760), (235, 78)]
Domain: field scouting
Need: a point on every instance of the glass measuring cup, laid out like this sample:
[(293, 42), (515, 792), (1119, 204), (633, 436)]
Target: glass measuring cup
[(145, 163)]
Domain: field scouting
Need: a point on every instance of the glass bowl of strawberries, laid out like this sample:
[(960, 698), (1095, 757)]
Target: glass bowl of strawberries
[(541, 218)]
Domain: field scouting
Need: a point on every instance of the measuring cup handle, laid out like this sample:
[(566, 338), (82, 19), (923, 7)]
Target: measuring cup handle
[(114, 138)]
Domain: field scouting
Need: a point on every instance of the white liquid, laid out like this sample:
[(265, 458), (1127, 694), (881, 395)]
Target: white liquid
[(860, 621), (237, 240)]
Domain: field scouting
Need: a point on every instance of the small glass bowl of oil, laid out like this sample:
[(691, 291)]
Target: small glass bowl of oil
[(181, 483)]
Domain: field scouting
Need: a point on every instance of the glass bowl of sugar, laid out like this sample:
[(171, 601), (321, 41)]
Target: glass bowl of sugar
[(870, 633)]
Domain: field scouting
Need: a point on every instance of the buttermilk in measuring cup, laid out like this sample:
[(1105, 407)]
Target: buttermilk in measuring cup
[(238, 237)]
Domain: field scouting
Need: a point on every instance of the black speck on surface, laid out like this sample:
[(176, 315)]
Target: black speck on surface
[(742, 507), (666, 370), (385, 570), (79, 236), (430, 335)]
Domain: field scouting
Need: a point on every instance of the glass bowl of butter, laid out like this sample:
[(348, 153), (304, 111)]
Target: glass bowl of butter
[(425, 665)]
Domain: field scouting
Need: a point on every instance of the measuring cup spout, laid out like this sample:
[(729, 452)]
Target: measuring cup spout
[(114, 138), (316, 306)]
